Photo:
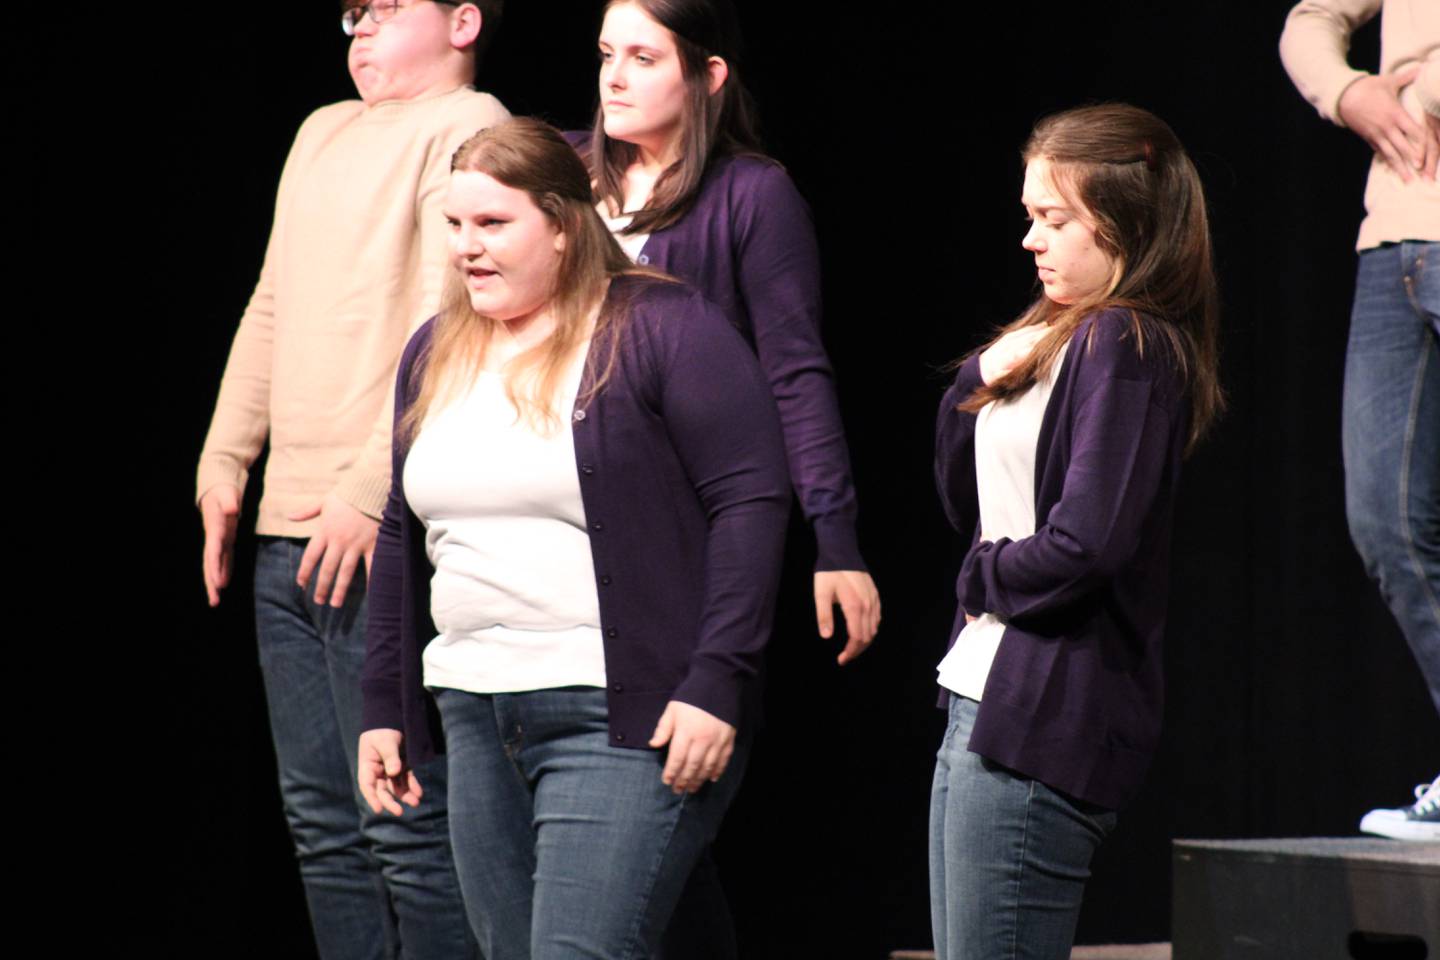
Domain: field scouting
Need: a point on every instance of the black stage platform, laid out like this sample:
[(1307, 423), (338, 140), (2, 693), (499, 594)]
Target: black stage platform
[(1313, 898)]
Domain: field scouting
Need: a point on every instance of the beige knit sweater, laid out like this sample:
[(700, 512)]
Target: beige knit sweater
[(356, 262), (1313, 48)]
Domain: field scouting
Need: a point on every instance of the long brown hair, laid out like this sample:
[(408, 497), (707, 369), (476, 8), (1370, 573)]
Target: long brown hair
[(532, 156), (1127, 170), (723, 123)]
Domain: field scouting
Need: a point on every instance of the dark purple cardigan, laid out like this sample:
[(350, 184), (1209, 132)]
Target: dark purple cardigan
[(683, 481), (749, 245), (1074, 695)]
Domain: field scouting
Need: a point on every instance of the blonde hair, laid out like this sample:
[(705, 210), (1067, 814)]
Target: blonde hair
[(532, 156)]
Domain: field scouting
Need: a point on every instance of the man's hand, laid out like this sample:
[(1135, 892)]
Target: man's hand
[(345, 537), (859, 602), (385, 781), (700, 746), (1371, 107), (220, 515)]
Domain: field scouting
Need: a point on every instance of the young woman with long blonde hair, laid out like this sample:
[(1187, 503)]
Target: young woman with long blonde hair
[(577, 565)]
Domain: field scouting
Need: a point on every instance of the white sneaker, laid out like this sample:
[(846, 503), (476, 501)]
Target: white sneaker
[(1418, 822)]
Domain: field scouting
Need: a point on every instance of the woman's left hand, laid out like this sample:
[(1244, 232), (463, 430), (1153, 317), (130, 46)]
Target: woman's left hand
[(385, 780), (700, 746)]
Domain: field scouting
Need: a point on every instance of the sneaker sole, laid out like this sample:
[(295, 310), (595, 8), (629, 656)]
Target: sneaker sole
[(1400, 828)]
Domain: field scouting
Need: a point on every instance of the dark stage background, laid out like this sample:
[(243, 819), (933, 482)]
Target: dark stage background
[(1293, 703)]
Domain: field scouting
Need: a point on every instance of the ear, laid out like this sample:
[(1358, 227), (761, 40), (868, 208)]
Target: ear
[(465, 25), (719, 72), (559, 240)]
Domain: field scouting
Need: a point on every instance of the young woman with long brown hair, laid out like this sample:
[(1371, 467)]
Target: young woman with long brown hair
[(1058, 451), (577, 564), (684, 185)]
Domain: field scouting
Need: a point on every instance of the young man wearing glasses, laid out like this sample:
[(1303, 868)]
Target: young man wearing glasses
[(354, 264)]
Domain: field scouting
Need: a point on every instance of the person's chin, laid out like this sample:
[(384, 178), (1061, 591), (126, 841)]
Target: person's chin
[(618, 130), (372, 93)]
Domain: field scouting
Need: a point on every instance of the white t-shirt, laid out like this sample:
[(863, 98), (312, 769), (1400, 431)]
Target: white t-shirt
[(1006, 434), (631, 243), (513, 596)]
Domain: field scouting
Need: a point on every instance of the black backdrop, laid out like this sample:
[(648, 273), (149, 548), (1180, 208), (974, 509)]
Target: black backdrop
[(1293, 705)]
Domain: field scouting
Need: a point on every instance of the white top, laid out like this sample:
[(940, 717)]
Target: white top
[(513, 596), (1005, 437), (631, 243)]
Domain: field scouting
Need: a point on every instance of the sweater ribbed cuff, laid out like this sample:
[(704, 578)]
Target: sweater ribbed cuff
[(366, 492), (381, 705), (214, 472), (968, 378), (1330, 100), (1427, 87), (713, 690), (836, 543)]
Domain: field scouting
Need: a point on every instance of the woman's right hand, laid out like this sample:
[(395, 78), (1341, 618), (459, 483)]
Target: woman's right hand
[(385, 781), (1002, 355), (700, 746)]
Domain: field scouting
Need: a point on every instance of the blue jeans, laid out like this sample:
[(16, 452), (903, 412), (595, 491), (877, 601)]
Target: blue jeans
[(377, 885), (1009, 856), (1391, 438), (566, 846)]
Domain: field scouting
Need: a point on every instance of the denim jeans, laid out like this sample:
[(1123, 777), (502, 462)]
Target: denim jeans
[(1009, 856), (1391, 438), (566, 846), (377, 885)]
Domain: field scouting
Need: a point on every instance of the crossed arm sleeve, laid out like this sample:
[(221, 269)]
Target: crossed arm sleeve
[(1121, 439)]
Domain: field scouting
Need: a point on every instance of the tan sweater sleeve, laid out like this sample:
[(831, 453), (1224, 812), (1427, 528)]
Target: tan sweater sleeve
[(1314, 46), (241, 421), (1427, 83), (367, 484)]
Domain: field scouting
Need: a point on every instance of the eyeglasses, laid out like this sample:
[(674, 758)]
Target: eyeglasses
[(379, 12)]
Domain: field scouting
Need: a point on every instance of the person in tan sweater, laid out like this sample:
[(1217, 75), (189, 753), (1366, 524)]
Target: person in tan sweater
[(354, 265), (1390, 418)]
